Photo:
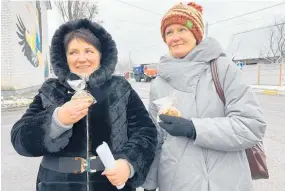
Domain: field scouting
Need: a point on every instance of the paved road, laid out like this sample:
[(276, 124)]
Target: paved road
[(19, 173)]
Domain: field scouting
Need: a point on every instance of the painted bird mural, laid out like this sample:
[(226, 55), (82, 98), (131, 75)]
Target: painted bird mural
[(31, 40)]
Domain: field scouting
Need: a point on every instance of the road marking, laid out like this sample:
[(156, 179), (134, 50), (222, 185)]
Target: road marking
[(270, 92)]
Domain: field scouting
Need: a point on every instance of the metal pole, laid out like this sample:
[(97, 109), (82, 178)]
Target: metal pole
[(85, 78), (130, 61), (206, 29), (87, 146), (258, 75), (281, 68)]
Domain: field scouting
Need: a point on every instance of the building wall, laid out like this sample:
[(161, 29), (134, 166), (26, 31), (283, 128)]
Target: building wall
[(24, 53), (6, 53)]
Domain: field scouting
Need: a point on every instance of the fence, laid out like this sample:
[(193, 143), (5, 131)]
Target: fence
[(265, 74)]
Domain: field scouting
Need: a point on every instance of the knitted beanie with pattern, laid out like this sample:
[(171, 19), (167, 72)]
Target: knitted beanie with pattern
[(189, 15)]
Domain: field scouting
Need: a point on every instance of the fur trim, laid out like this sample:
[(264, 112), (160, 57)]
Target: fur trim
[(109, 51)]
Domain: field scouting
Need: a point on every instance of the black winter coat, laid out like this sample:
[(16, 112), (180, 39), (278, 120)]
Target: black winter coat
[(118, 118)]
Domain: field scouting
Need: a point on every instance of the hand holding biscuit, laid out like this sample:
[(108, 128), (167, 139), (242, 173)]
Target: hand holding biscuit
[(170, 110), (73, 110)]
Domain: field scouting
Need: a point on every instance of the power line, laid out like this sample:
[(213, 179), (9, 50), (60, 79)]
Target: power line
[(140, 7), (144, 47), (246, 14), (231, 25), (259, 28), (242, 23), (136, 22)]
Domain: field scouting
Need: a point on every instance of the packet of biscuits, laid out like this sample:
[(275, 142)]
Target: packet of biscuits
[(166, 106), (80, 88)]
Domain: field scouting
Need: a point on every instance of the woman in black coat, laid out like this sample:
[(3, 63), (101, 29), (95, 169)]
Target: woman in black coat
[(66, 125)]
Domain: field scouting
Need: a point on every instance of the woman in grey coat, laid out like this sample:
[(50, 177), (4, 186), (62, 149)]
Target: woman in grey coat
[(204, 149)]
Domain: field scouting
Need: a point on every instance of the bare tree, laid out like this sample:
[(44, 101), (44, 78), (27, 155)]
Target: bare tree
[(75, 9), (276, 48)]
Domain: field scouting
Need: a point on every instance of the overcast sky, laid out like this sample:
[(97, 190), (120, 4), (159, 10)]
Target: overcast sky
[(137, 32)]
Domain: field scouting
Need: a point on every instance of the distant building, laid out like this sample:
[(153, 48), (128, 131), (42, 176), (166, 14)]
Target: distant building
[(24, 38), (249, 47)]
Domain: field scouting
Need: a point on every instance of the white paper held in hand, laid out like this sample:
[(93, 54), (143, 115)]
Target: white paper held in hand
[(107, 158)]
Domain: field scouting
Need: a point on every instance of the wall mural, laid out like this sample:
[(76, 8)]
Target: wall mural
[(31, 38)]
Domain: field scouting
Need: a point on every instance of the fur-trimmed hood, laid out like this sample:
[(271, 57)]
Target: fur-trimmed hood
[(109, 52)]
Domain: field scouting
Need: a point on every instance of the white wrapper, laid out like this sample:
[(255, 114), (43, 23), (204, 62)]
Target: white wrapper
[(79, 86), (107, 158), (165, 105)]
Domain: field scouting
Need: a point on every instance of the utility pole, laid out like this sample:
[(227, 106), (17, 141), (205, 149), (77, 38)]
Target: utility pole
[(130, 68), (206, 29)]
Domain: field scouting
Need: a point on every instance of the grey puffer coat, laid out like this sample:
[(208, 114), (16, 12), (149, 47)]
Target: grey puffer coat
[(216, 159)]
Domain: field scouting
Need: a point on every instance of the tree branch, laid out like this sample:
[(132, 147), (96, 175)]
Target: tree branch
[(60, 5), (93, 10), (75, 9), (69, 8)]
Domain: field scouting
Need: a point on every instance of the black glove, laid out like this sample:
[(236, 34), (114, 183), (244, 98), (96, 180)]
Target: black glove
[(177, 126)]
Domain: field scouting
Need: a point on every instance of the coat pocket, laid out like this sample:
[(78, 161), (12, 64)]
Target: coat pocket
[(62, 186)]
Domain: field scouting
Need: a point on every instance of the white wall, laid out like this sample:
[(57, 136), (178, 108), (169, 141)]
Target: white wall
[(17, 71)]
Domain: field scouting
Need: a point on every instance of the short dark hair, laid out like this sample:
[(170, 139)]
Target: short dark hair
[(84, 34)]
